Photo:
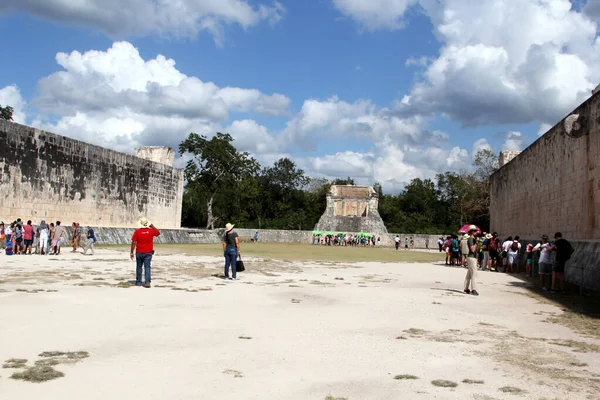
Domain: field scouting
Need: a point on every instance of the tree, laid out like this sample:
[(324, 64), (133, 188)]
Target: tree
[(6, 113), (216, 165), (347, 181), (486, 162)]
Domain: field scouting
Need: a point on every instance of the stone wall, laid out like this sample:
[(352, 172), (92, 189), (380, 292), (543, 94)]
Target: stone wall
[(554, 184), (50, 177)]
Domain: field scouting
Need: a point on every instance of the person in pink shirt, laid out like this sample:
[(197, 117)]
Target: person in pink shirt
[(28, 233)]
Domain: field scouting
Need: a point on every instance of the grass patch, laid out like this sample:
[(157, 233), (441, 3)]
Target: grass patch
[(443, 383), (47, 362), (415, 331), (245, 337), (38, 374), (401, 338), (578, 364), (297, 252), (405, 376), (123, 285), (473, 382), (512, 390), (435, 302), (578, 347), (296, 301), (335, 398), (236, 374), (15, 363), (71, 355)]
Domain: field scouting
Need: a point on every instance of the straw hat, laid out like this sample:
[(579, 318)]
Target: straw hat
[(488, 236), (229, 227), (473, 228), (466, 236), (144, 223)]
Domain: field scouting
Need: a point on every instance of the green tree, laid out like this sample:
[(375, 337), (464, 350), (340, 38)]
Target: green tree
[(215, 165), (6, 113)]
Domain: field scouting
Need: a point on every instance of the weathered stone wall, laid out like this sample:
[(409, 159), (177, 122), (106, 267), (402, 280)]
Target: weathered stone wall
[(50, 177), (553, 185)]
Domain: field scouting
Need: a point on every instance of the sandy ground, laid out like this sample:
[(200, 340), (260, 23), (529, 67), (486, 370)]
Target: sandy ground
[(285, 330)]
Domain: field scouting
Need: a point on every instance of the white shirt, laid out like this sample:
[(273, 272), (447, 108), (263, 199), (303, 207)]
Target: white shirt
[(397, 240), (7, 231), (506, 245), (545, 254)]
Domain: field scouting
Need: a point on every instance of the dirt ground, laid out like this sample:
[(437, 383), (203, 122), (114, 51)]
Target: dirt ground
[(295, 329)]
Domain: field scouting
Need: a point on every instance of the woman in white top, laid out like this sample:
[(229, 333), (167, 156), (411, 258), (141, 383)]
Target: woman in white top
[(43, 237), (545, 261)]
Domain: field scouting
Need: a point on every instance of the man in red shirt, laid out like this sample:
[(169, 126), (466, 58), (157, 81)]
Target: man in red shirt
[(28, 234), (142, 243)]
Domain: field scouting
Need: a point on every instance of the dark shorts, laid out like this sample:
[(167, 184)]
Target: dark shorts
[(493, 254), (559, 266), (28, 243), (545, 268), (19, 240), (455, 254)]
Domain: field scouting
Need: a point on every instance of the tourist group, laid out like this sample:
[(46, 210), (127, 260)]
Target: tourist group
[(43, 239)]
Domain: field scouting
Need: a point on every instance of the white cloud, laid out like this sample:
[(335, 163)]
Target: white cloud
[(115, 98), (544, 127), (480, 144), (514, 141), (375, 14), (11, 96), (507, 61), (144, 17)]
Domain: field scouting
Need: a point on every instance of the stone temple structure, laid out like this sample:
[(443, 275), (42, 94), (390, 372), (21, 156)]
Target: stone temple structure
[(352, 209)]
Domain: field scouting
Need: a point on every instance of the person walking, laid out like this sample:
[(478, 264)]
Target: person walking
[(563, 250), (142, 245), (91, 240), (60, 232), (470, 279), (28, 235), (397, 242), (231, 251)]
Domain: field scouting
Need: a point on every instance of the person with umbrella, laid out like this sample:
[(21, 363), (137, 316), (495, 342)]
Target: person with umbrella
[(470, 279)]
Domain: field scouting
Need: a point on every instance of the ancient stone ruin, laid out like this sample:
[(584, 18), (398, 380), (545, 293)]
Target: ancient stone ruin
[(352, 209)]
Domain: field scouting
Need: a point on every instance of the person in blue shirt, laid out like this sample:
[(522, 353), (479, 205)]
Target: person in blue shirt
[(255, 238), (91, 240)]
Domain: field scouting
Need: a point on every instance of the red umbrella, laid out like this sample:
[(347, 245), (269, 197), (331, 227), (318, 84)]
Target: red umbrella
[(465, 229)]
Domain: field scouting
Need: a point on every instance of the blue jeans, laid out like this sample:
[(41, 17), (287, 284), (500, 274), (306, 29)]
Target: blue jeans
[(230, 259), (145, 259)]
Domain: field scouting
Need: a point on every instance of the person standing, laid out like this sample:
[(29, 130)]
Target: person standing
[(91, 240), (485, 248), (471, 262), (44, 232), (397, 242), (514, 252), (545, 261), (426, 243), (28, 234), (142, 245), (59, 233), (563, 250), (231, 251)]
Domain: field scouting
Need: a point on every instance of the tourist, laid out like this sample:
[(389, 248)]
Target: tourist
[(2, 236), (28, 234), (412, 243), (231, 250), (470, 279), (427, 243), (18, 237), (8, 232), (397, 242), (563, 250), (43, 238), (405, 243), (255, 238), (91, 240), (50, 237), (448, 250), (455, 250), (514, 251), (378, 241), (60, 232), (464, 249), (505, 247), (485, 249), (142, 244), (545, 261), (441, 244), (76, 238), (529, 259), (494, 249)]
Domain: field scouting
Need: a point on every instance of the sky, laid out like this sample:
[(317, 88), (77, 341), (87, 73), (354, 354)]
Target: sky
[(379, 90)]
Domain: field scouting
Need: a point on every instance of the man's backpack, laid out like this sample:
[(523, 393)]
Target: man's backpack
[(570, 251), (514, 246)]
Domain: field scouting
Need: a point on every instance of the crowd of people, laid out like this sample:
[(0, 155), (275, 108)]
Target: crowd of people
[(492, 254), (19, 238), (346, 240)]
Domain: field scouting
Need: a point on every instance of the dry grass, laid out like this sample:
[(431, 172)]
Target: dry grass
[(296, 301), (415, 332), (299, 252), (408, 377), (236, 374), (38, 374), (443, 383), (578, 347), (15, 363), (335, 398), (512, 390), (245, 337), (473, 382)]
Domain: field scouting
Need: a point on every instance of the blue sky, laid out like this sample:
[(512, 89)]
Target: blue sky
[(382, 90)]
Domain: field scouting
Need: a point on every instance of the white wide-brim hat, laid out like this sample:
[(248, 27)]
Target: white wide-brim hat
[(229, 227), (144, 222)]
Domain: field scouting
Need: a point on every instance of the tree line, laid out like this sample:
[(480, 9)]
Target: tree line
[(223, 185)]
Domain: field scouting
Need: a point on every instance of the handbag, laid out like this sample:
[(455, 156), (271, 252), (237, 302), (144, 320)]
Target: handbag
[(239, 264)]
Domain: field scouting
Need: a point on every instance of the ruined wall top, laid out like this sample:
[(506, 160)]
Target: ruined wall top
[(159, 154), (352, 191)]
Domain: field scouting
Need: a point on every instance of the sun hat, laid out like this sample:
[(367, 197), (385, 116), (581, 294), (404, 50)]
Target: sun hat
[(488, 236), (465, 236), (473, 228), (144, 222), (229, 227)]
